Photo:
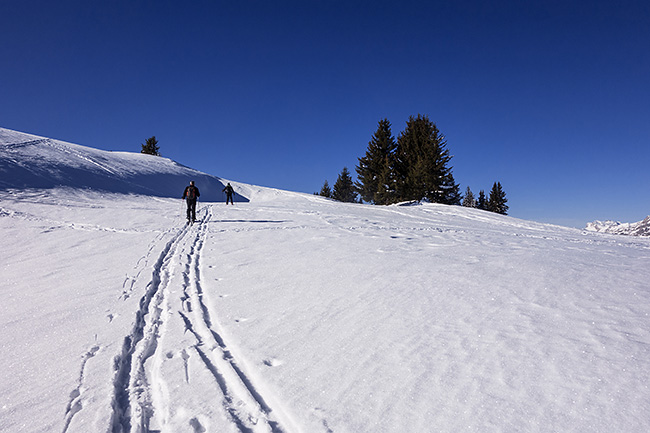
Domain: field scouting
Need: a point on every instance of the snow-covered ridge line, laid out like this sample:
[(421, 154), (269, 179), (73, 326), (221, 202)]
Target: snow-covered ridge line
[(29, 161), (641, 228)]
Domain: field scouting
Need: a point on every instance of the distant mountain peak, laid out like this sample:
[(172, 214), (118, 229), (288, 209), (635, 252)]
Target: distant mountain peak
[(641, 228)]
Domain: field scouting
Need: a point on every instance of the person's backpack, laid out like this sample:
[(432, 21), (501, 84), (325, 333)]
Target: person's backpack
[(191, 192)]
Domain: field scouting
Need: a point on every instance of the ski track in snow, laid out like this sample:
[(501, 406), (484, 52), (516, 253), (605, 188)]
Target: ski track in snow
[(76, 401), (141, 400), (51, 224), (130, 379)]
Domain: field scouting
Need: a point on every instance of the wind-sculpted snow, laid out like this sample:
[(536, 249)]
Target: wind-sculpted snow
[(28, 161), (293, 313)]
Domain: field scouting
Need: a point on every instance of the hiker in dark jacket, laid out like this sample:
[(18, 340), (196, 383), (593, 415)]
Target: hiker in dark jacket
[(190, 195), (229, 191)]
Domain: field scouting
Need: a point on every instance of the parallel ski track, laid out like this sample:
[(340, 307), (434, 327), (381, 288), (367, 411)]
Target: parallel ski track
[(133, 405), (131, 402), (243, 403)]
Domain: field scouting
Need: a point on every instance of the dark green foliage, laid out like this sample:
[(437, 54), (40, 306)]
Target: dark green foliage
[(497, 201), (422, 164), (375, 179), (386, 186), (344, 189), (415, 167), (481, 203), (151, 147), (469, 200), (326, 191)]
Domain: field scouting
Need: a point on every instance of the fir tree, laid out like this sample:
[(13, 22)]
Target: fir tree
[(469, 200), (344, 188), (375, 169), (481, 203), (386, 186), (326, 191), (151, 147), (497, 201), (422, 164)]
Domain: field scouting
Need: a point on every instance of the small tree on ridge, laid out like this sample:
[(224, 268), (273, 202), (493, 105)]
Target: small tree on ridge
[(151, 147)]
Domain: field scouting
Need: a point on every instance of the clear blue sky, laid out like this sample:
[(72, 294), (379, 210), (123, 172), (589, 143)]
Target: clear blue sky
[(551, 98)]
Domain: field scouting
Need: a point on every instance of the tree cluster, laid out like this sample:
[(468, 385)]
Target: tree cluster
[(413, 167), (344, 189), (496, 202)]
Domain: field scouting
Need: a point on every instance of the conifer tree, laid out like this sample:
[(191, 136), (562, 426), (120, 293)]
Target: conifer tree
[(374, 172), (469, 200), (151, 147), (481, 203), (497, 201), (386, 186), (422, 164), (344, 188), (325, 191)]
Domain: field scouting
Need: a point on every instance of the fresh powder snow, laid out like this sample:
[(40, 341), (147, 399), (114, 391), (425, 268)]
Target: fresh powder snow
[(290, 313)]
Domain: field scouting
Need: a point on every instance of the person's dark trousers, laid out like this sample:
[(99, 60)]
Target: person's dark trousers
[(229, 199), (191, 209)]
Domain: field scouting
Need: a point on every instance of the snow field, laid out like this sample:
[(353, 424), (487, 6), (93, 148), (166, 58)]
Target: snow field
[(292, 313)]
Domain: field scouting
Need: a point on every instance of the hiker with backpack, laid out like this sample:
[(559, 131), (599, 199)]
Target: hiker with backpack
[(190, 195), (229, 191)]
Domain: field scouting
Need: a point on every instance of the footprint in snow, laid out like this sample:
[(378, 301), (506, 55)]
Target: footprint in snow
[(196, 425), (273, 362), (92, 352)]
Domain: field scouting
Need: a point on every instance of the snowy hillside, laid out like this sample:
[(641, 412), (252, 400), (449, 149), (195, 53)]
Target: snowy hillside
[(641, 228), (293, 313), (29, 161)]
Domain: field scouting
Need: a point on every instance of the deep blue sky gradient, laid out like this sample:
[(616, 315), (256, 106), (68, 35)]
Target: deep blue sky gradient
[(551, 98)]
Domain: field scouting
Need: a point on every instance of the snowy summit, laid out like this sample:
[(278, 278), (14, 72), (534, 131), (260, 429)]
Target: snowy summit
[(288, 312), (641, 228)]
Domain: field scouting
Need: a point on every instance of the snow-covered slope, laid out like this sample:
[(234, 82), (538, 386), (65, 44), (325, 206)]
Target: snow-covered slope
[(641, 228), (293, 313), (29, 161)]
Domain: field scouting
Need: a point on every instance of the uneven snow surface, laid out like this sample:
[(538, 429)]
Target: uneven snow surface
[(293, 313)]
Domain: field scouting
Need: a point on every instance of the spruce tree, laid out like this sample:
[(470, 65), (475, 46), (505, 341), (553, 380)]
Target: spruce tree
[(325, 191), (481, 203), (386, 186), (374, 171), (422, 164), (344, 189), (497, 201), (151, 147), (469, 200)]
